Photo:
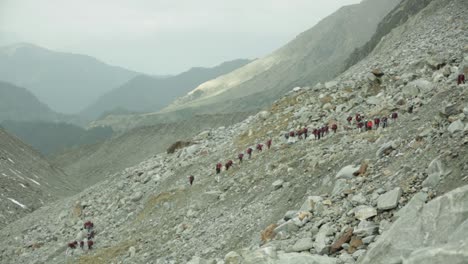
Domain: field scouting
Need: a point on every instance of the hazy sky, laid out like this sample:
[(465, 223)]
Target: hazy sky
[(162, 36)]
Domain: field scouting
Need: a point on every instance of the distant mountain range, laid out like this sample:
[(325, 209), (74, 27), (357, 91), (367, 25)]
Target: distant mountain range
[(146, 93), (66, 82), (52, 137), (17, 103)]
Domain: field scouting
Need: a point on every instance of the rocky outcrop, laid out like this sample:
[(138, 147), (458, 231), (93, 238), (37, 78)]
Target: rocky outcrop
[(433, 232)]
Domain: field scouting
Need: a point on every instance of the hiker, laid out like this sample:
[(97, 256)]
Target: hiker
[(334, 128), (369, 125), (326, 129), (349, 119), (384, 122), (249, 152), (377, 122), (191, 179), (394, 116), (305, 131), (88, 226), (240, 156), (90, 244), (360, 125), (218, 168), (73, 244), (259, 147), (299, 134), (291, 134), (358, 118), (91, 235), (81, 244), (228, 164), (461, 78), (268, 143), (315, 132)]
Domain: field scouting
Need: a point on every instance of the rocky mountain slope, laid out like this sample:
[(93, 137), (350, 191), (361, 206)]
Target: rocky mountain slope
[(148, 94), (390, 195), (315, 55), (64, 81), (27, 181), (17, 103), (90, 164)]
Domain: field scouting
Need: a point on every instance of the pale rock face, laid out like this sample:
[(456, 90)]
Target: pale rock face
[(389, 200)]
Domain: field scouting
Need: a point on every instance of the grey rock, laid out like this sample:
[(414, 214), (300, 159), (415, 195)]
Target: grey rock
[(277, 184), (450, 110), (359, 199), (366, 228), (359, 253), (455, 253), (288, 227), (433, 225), (435, 171), (312, 204), (137, 196), (331, 84), (373, 100), (389, 200), (340, 186), (347, 172), (386, 148), (417, 201), (456, 126), (364, 212), (432, 181), (233, 258), (290, 215), (321, 240), (367, 240), (346, 258), (132, 252), (302, 244)]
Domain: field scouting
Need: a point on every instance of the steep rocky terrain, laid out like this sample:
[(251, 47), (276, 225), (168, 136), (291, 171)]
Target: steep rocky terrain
[(27, 180), (149, 94), (90, 164), (390, 195)]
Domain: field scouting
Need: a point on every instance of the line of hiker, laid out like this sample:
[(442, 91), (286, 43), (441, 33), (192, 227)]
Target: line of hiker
[(240, 156), (366, 125), (83, 236), (361, 125)]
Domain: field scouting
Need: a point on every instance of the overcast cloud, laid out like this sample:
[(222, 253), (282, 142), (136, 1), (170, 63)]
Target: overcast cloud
[(162, 36)]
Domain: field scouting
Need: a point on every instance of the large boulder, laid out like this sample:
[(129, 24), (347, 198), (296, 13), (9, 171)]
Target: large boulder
[(456, 126), (303, 244), (347, 172), (312, 204), (436, 232), (435, 172), (389, 200), (233, 258), (414, 88)]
